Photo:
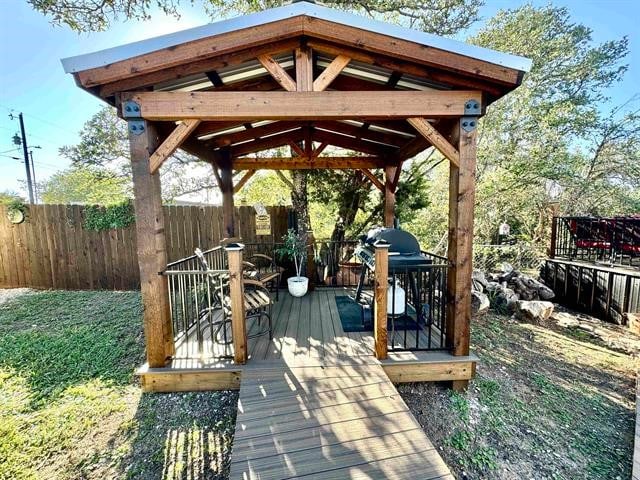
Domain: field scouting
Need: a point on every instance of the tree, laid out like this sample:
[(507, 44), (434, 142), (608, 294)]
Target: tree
[(7, 197), (551, 139), (104, 144), (443, 17), (85, 184)]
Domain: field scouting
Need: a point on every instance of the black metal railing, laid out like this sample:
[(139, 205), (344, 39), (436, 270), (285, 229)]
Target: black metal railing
[(417, 306), (614, 240), (195, 300)]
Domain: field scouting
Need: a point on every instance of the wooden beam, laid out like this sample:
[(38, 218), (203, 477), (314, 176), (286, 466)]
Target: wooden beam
[(304, 69), (171, 144), (267, 143), (304, 163), (236, 292), (330, 73), (277, 72), (226, 187), (139, 81), (245, 178), (350, 143), (436, 139), (252, 133), (381, 284), (389, 195), (387, 138), (369, 174), (461, 206), (429, 73), (151, 248), (328, 105), (411, 148), (376, 44)]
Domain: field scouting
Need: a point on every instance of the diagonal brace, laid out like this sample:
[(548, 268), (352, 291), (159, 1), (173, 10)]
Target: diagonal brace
[(436, 139), (171, 144)]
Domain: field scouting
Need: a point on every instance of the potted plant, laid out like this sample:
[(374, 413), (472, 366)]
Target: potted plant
[(295, 249)]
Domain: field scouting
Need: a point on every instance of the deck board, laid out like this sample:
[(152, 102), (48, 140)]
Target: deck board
[(332, 422)]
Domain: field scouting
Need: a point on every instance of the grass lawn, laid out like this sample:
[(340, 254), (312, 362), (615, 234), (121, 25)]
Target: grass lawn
[(70, 407), (545, 404)]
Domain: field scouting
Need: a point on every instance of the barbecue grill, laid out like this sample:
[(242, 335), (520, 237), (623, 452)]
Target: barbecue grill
[(404, 254)]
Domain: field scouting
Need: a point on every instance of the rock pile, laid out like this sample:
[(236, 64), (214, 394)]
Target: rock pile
[(511, 291)]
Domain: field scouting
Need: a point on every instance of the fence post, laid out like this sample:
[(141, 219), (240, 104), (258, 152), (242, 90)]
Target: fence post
[(236, 287), (381, 284), (311, 264)]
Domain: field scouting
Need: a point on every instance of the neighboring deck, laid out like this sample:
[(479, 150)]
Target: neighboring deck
[(334, 422)]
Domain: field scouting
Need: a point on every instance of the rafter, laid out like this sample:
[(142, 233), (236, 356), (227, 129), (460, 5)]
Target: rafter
[(306, 163), (267, 143), (350, 143), (252, 133)]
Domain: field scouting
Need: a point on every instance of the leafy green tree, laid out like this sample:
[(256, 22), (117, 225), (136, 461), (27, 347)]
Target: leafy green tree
[(84, 184), (7, 197), (104, 144), (444, 17)]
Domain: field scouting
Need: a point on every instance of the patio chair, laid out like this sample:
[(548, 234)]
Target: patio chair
[(257, 304), (263, 269)]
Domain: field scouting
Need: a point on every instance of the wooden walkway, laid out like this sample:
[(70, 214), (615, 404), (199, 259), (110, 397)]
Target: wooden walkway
[(327, 422)]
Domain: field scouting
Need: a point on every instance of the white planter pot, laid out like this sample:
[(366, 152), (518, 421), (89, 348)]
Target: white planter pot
[(298, 286)]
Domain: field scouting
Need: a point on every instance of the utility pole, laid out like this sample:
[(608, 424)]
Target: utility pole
[(25, 154)]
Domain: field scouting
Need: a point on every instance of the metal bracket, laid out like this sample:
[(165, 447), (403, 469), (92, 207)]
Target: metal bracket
[(131, 109), (469, 124), (472, 107), (136, 126)]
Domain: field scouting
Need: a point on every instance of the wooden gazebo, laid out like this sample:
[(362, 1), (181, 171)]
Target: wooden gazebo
[(307, 77)]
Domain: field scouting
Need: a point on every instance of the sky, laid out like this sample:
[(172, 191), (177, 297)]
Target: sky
[(32, 80)]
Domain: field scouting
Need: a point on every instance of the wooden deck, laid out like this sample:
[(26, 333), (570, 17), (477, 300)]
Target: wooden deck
[(339, 422), (307, 332), (307, 327)]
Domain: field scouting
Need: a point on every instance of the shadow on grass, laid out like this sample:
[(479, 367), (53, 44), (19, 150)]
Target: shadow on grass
[(543, 405), (58, 339), (181, 436)]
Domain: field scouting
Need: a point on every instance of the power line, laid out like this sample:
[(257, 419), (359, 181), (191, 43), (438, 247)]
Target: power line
[(48, 122)]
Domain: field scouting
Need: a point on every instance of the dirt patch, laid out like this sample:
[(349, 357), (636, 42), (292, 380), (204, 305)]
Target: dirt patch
[(544, 405)]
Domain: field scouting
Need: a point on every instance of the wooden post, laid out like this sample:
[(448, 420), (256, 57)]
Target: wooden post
[(151, 245), (381, 285), (389, 196), (460, 251), (226, 187), (236, 287)]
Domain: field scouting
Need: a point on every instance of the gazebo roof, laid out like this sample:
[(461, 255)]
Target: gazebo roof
[(298, 9), (256, 53)]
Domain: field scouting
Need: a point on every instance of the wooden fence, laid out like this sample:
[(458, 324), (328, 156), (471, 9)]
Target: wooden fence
[(51, 249)]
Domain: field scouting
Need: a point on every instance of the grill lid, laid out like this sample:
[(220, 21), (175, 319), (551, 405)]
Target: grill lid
[(402, 242)]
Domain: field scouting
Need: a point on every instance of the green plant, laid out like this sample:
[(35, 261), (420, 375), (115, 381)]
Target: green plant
[(119, 215), (294, 248)]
